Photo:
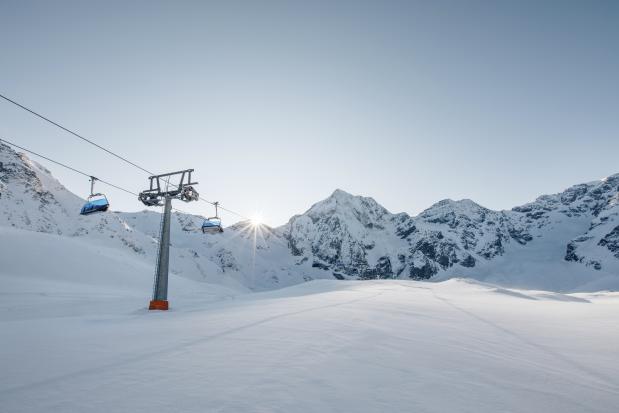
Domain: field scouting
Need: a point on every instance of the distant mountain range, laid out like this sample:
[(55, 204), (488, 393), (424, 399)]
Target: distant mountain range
[(566, 241)]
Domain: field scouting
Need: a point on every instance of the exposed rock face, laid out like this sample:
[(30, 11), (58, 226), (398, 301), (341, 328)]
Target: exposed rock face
[(341, 234), (355, 236), (358, 237), (27, 198), (611, 241), (597, 203)]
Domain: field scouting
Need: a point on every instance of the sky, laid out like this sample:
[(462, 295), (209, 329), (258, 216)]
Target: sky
[(275, 104)]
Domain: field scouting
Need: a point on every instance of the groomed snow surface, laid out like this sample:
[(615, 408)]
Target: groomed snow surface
[(76, 337)]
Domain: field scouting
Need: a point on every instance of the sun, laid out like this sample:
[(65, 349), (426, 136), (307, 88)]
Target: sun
[(256, 219)]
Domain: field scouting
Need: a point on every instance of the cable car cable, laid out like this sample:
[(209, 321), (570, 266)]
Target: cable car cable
[(74, 133), (78, 171), (103, 148), (66, 166)]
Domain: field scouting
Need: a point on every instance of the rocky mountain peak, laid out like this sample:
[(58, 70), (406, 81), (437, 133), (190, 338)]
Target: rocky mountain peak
[(345, 205), (340, 193), (449, 206), (30, 197), (464, 214)]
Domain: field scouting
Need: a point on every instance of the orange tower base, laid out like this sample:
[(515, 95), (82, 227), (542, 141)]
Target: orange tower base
[(158, 305)]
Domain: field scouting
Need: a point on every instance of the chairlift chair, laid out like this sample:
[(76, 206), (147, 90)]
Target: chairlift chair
[(95, 202), (212, 225)]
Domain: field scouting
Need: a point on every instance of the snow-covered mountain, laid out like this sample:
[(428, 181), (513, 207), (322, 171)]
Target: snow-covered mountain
[(564, 241), (532, 245), (32, 199)]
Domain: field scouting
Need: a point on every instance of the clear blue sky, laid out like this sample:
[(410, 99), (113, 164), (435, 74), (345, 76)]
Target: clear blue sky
[(276, 104)]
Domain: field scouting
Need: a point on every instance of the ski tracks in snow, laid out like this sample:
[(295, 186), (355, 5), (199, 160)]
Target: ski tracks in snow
[(176, 347), (604, 381)]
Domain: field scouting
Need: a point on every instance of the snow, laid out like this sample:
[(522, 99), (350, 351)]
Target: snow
[(523, 248), (540, 264), (76, 336), (563, 242), (32, 199)]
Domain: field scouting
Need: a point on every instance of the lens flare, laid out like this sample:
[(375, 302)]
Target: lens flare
[(256, 219)]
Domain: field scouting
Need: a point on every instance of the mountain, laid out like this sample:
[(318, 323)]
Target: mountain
[(596, 203), (530, 246), (534, 245), (565, 241), (32, 199)]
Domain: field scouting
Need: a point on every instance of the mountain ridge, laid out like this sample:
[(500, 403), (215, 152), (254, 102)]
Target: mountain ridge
[(570, 239)]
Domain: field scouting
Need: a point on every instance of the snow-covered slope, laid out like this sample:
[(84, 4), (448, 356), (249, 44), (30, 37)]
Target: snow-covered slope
[(76, 335), (566, 241), (85, 345), (68, 276), (242, 257)]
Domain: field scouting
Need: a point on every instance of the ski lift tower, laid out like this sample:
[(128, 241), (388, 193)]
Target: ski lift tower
[(163, 189)]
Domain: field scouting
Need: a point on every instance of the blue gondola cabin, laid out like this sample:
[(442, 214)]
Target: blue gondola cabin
[(95, 203)]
